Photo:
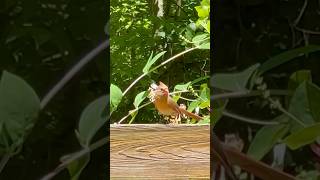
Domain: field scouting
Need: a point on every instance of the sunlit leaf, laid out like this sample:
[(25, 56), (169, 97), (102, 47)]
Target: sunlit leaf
[(115, 97), (182, 87), (152, 61), (139, 98)]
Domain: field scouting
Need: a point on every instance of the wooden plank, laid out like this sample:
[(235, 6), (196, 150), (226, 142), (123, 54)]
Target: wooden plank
[(157, 151)]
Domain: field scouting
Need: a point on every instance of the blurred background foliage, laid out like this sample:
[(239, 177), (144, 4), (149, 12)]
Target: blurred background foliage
[(139, 28), (269, 45), (40, 41)]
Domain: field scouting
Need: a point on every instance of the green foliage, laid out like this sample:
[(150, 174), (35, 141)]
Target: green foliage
[(76, 167), (151, 61), (303, 137), (265, 139), (19, 107), (299, 107), (136, 32), (91, 121), (287, 56), (115, 97), (298, 125), (233, 81), (204, 15)]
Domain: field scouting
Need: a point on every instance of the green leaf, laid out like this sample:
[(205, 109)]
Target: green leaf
[(115, 97), (193, 105), (314, 100), (76, 167), (217, 110), (204, 96), (265, 139), (19, 107), (233, 81), (200, 38), (199, 79), (139, 98), (91, 120), (182, 87), (299, 77), (303, 137), (299, 107), (287, 56), (205, 46), (205, 120), (152, 61)]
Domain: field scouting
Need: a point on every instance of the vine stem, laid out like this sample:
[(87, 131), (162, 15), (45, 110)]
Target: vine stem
[(248, 120), (74, 70), (290, 115), (160, 65), (76, 156), (241, 94), (132, 111)]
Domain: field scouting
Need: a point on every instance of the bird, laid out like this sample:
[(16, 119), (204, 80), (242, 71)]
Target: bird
[(166, 105)]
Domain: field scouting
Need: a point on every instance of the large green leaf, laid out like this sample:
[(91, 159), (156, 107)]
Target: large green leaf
[(287, 56), (233, 81), (303, 137), (314, 100), (265, 139), (19, 106), (151, 61), (91, 120), (115, 97), (299, 107)]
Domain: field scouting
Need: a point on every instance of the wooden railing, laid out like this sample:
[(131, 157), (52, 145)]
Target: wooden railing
[(157, 151)]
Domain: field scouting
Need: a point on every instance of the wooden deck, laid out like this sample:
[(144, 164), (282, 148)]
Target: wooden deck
[(157, 151)]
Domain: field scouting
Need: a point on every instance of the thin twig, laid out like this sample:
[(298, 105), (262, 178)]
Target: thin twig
[(290, 115), (307, 31), (4, 161), (304, 6)]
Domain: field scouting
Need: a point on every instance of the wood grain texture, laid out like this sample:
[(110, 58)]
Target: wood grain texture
[(159, 151)]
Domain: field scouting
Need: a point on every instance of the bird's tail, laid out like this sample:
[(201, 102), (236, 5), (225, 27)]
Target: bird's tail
[(190, 114)]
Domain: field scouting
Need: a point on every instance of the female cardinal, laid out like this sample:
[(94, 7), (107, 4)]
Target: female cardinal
[(166, 105)]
